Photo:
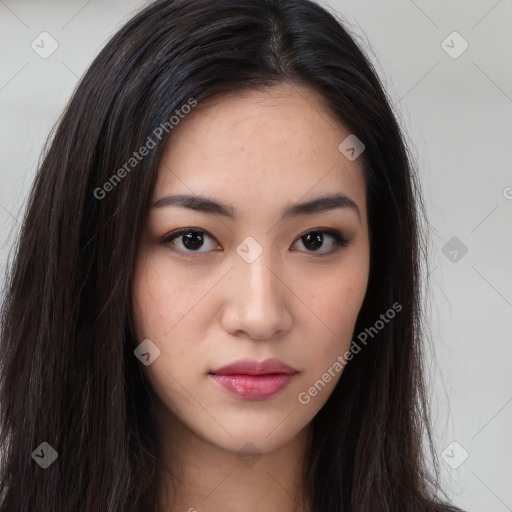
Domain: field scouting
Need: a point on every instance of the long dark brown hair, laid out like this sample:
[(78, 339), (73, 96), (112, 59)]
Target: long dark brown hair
[(68, 374)]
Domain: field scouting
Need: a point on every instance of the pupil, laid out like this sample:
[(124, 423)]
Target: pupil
[(314, 239), (193, 240)]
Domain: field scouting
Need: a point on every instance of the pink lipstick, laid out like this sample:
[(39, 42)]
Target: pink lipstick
[(253, 380)]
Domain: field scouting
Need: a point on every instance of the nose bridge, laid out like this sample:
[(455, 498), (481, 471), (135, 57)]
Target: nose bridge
[(257, 276), (258, 303)]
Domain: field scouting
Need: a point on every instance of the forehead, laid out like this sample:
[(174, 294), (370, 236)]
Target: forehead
[(275, 145)]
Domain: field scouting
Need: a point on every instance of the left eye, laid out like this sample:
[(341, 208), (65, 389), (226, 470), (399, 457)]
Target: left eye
[(193, 239), (316, 239)]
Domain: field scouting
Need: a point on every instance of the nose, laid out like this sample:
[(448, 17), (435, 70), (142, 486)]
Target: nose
[(258, 300)]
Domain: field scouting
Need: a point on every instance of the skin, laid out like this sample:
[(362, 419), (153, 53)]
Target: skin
[(258, 152)]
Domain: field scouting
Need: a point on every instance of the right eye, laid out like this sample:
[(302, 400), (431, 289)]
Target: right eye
[(191, 240)]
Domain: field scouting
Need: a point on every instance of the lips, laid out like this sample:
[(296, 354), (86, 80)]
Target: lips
[(250, 367), (253, 380)]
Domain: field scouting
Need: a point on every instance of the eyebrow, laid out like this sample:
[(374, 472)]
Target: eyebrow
[(207, 205)]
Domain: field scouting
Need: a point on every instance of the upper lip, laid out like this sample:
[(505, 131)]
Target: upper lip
[(251, 367)]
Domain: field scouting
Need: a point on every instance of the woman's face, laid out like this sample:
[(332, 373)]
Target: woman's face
[(251, 282)]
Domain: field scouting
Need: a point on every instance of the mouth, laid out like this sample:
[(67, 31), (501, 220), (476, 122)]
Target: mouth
[(253, 387), (253, 380)]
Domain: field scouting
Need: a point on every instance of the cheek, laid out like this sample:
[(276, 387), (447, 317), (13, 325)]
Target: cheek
[(336, 307), (327, 341), (149, 299), (339, 299), (163, 299), (163, 309), (343, 308), (338, 310)]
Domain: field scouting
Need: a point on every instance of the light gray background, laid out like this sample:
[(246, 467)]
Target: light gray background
[(457, 113)]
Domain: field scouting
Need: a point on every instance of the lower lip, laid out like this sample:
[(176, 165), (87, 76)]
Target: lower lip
[(253, 387)]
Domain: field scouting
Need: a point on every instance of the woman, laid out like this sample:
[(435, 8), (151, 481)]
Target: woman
[(214, 302)]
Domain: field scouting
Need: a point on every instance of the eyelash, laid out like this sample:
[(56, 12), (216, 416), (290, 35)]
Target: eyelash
[(340, 241)]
